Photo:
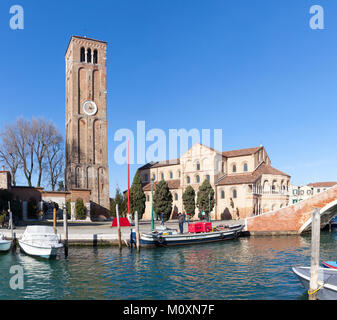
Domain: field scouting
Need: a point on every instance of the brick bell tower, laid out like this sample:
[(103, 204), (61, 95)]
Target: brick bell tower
[(86, 121)]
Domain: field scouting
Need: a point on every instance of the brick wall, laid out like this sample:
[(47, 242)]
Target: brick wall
[(79, 193), (26, 193), (290, 219)]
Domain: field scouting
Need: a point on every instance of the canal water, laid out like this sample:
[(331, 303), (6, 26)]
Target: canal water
[(246, 268)]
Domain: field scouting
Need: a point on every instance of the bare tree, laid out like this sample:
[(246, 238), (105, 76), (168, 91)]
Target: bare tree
[(19, 137), (54, 155), (28, 143), (10, 158), (40, 130)]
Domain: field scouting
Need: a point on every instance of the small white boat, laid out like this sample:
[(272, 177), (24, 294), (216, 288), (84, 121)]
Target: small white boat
[(5, 245), (40, 241), (327, 281)]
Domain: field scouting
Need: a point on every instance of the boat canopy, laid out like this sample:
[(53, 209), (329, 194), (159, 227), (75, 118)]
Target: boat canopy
[(40, 235), (40, 230)]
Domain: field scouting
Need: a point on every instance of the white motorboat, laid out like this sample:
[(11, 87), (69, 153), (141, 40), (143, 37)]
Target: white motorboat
[(40, 241), (5, 245)]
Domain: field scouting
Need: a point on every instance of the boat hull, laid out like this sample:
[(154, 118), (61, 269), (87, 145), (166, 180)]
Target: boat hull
[(327, 281), (43, 252), (330, 264), (5, 245), (150, 240)]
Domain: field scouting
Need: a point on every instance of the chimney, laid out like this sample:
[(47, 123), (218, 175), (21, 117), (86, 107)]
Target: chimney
[(3, 168)]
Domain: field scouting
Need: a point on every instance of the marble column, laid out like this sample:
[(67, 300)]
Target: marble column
[(72, 214), (87, 205)]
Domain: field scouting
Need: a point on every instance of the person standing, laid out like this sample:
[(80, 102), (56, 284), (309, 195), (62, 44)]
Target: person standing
[(181, 222), (162, 219)]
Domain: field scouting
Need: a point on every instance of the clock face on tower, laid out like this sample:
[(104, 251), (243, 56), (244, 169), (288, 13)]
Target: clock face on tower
[(89, 107)]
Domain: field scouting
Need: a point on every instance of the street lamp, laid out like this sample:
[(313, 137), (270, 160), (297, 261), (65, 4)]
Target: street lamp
[(152, 219)]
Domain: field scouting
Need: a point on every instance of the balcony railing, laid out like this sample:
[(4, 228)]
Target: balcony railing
[(260, 191)]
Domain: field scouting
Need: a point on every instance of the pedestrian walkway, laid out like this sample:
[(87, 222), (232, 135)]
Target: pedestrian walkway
[(101, 233)]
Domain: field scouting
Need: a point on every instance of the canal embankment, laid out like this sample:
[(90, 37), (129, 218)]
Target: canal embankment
[(88, 233)]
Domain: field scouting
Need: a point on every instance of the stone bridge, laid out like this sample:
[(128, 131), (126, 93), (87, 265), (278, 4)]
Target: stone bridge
[(296, 218)]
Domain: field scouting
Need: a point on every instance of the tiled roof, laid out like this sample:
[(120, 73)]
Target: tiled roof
[(322, 184), (240, 152), (264, 168), (147, 166), (238, 178), (160, 164), (166, 163), (172, 184), (227, 154)]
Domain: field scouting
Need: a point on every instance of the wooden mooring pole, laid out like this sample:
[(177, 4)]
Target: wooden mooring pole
[(118, 229), (137, 230), (315, 243), (65, 231), (54, 218)]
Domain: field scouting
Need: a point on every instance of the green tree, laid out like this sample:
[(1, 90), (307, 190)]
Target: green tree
[(122, 202), (162, 200), (112, 207), (137, 199), (204, 203), (189, 201), (81, 210)]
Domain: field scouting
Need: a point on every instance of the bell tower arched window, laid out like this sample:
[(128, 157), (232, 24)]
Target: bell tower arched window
[(95, 56), (82, 58), (89, 55)]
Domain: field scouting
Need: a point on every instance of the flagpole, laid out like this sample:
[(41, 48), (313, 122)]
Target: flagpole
[(128, 181)]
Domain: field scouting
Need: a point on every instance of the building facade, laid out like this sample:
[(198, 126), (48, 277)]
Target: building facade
[(86, 121), (25, 194), (244, 181), (299, 193)]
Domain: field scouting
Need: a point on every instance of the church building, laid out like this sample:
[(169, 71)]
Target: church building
[(244, 181)]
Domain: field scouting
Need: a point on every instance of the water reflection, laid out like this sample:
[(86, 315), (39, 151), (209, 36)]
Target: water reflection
[(248, 268)]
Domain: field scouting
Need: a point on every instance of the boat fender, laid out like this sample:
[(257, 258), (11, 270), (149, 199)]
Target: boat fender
[(160, 239)]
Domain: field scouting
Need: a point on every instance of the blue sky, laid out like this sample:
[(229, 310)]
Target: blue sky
[(252, 68)]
